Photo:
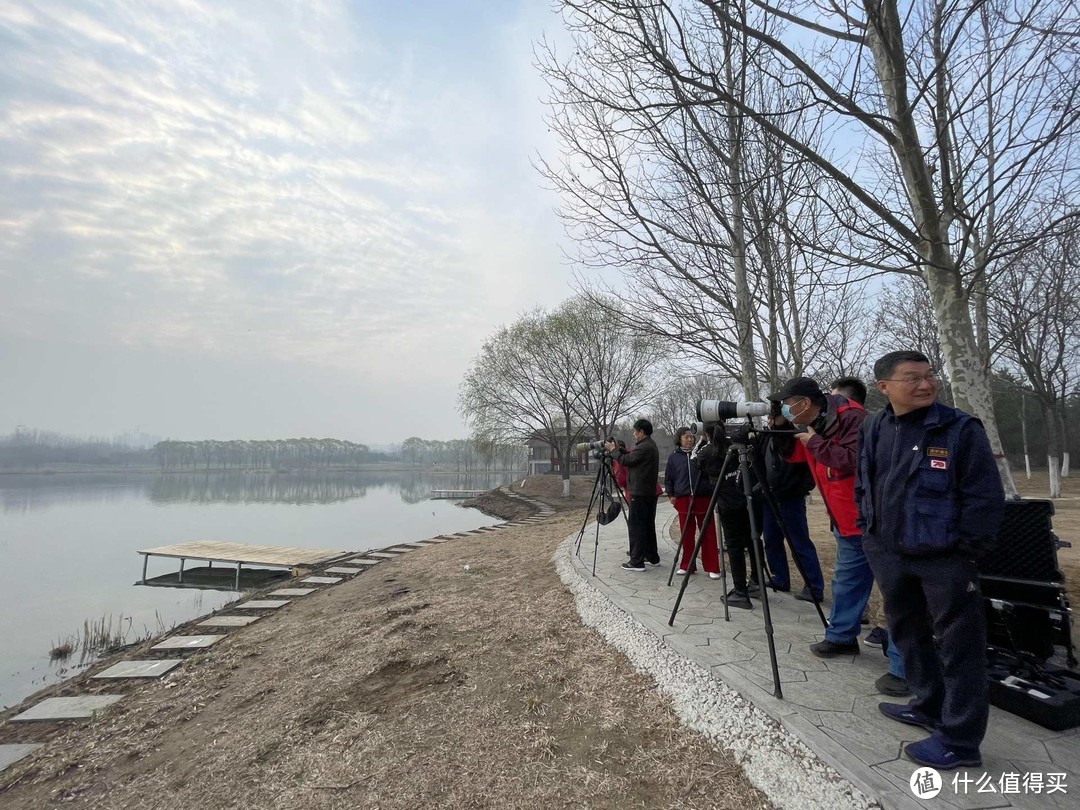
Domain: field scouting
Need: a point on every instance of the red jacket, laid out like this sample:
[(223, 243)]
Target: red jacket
[(832, 455)]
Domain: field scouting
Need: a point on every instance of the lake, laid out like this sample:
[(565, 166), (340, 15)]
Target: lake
[(68, 544)]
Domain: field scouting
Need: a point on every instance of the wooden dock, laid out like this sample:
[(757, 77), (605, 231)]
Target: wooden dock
[(240, 554), (452, 494)]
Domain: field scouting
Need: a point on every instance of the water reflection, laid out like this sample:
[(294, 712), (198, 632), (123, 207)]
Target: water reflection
[(30, 493)]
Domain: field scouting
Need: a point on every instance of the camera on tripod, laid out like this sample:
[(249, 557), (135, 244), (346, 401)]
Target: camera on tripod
[(715, 412), (587, 447)]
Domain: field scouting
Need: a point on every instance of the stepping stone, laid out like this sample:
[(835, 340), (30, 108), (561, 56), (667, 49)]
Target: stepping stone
[(418, 544), (187, 643), (293, 591), (10, 754), (365, 562), (400, 549), (262, 604), (228, 621), (68, 708), (383, 554), (139, 669), (343, 569), (322, 580), (440, 539)]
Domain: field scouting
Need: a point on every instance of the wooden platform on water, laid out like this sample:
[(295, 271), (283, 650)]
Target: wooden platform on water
[(450, 494), (240, 554)]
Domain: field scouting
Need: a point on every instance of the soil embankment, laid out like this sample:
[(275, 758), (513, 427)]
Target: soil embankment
[(418, 683)]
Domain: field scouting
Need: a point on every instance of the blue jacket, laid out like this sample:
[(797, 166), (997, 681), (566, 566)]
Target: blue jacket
[(683, 476), (938, 483)]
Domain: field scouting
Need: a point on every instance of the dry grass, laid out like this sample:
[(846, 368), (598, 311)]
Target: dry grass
[(418, 684)]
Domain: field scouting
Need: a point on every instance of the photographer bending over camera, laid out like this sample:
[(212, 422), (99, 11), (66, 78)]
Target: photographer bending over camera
[(689, 492), (642, 465), (827, 441)]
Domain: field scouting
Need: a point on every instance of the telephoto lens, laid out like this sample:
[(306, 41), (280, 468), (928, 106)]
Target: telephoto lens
[(717, 410)]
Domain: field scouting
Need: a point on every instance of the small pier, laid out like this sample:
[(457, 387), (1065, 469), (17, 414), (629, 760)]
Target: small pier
[(456, 494), (239, 554)]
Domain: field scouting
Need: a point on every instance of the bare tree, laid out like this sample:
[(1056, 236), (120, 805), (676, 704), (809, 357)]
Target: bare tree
[(527, 381), (940, 129), (616, 363), (558, 376), (1034, 311), (673, 403)]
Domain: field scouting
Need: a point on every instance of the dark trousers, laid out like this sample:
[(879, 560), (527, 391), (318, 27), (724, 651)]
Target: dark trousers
[(641, 526), (938, 597), (737, 537), (793, 513)]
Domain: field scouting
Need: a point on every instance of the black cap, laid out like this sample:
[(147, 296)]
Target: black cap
[(798, 387)]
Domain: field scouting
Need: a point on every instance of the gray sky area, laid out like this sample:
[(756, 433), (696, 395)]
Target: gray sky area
[(265, 218)]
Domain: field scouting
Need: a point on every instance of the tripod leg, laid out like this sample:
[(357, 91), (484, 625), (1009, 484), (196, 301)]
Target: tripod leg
[(709, 515), (774, 505), (588, 509), (682, 539), (755, 544)]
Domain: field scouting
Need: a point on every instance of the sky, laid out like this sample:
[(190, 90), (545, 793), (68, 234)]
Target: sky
[(266, 218)]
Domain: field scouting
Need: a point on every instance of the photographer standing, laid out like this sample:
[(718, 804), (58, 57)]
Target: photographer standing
[(827, 441), (930, 503), (690, 492), (642, 465)]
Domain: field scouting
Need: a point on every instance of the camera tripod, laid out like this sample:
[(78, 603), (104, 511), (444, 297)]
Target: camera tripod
[(601, 492), (748, 465)]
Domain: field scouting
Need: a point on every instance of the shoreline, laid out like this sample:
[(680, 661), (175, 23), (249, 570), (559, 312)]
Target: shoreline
[(467, 656)]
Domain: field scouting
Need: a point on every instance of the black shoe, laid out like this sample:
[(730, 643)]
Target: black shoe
[(653, 562), (629, 566), (889, 684), (804, 596), (878, 637), (752, 589), (738, 599), (778, 587), (831, 649), (902, 713)]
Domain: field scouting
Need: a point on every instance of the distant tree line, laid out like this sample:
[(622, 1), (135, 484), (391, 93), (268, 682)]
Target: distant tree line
[(29, 448), (34, 450)]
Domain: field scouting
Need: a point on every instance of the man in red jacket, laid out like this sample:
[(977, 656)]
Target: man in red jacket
[(827, 440)]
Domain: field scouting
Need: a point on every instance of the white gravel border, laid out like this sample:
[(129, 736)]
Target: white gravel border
[(774, 759)]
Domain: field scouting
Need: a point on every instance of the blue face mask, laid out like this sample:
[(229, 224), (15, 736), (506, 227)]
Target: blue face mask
[(785, 411)]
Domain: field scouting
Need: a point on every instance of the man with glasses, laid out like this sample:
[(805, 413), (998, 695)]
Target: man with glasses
[(930, 503)]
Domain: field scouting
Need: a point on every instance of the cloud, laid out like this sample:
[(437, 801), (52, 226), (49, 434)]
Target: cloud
[(304, 183)]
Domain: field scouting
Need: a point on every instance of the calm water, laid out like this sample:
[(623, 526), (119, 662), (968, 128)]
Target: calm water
[(68, 543)]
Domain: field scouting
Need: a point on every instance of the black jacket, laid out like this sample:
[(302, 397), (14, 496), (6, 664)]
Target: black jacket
[(788, 480), (682, 476), (642, 465)]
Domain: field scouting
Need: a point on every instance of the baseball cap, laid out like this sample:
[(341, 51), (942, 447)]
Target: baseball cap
[(798, 387)]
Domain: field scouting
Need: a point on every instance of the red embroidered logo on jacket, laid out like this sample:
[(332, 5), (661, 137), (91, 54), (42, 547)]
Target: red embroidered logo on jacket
[(939, 464)]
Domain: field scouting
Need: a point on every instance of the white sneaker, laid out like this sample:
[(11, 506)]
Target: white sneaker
[(681, 572), (713, 576)]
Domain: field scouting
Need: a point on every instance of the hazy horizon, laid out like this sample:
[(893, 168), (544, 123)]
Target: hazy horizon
[(266, 219)]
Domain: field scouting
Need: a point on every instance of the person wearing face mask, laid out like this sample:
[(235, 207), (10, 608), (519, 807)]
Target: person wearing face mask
[(826, 439)]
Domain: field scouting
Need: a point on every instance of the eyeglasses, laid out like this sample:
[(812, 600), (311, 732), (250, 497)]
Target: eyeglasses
[(931, 378)]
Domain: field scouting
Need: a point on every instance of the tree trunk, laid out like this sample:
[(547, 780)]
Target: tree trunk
[(1053, 447), (743, 324), (970, 383)]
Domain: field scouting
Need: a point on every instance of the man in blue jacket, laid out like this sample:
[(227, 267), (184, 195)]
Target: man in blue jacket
[(930, 504)]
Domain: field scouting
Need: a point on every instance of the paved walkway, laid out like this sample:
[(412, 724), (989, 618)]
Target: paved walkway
[(830, 704)]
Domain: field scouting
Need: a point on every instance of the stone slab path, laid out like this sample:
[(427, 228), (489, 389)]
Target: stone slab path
[(830, 704)]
